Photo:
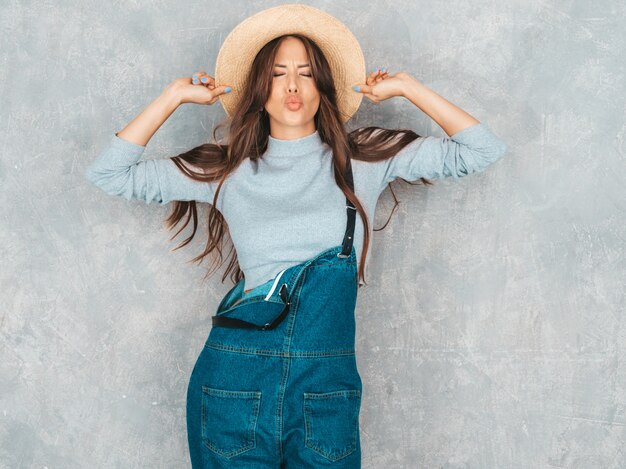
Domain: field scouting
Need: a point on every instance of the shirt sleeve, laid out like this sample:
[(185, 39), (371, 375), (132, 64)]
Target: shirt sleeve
[(118, 171), (468, 151)]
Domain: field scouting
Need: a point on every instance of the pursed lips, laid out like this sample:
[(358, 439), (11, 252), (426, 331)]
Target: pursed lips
[(293, 103)]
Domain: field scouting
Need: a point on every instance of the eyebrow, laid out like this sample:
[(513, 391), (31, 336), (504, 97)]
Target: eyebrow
[(299, 66)]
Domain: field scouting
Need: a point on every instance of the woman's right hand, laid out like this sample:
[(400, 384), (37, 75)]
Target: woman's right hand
[(200, 91)]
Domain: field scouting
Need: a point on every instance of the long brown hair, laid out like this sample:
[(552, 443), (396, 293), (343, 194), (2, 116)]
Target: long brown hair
[(248, 138)]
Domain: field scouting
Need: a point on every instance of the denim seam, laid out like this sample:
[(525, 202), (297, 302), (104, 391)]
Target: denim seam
[(279, 407), (279, 353), (330, 264), (293, 311)]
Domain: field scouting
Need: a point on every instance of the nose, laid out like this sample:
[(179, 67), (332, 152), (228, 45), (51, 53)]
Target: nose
[(292, 85)]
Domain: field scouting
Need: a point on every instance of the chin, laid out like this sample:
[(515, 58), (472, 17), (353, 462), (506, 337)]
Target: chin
[(295, 119)]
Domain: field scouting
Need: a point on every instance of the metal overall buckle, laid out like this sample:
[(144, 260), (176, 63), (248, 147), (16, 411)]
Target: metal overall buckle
[(286, 300)]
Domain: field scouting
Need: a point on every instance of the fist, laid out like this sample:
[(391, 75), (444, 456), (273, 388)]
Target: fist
[(198, 89), (380, 85)]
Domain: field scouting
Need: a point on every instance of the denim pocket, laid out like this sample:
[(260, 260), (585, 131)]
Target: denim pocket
[(229, 420), (331, 422)]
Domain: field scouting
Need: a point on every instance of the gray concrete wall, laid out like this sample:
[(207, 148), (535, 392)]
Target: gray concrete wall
[(491, 334)]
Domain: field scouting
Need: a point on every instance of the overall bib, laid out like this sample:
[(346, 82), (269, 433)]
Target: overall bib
[(276, 384)]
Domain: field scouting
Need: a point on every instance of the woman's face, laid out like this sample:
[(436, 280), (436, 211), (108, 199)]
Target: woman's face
[(294, 98)]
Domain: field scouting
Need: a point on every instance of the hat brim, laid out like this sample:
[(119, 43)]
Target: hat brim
[(340, 47)]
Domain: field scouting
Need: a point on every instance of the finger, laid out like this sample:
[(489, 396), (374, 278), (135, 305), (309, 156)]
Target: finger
[(371, 78), (382, 73), (379, 79), (211, 83), (221, 89), (200, 78), (363, 88), (206, 79), (195, 78)]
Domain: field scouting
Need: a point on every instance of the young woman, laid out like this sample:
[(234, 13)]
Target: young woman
[(276, 384)]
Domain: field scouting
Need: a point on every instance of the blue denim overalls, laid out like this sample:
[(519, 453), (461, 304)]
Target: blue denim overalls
[(277, 385)]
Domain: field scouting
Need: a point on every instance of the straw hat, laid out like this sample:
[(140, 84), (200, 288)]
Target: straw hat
[(340, 47)]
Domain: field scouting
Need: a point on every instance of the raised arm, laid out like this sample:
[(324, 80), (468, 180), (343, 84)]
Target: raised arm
[(468, 151), (471, 146), (117, 169)]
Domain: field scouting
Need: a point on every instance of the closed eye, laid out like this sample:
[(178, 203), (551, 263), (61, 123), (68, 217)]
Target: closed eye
[(282, 74)]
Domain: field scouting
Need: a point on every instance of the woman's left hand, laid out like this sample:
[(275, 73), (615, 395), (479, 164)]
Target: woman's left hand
[(379, 85)]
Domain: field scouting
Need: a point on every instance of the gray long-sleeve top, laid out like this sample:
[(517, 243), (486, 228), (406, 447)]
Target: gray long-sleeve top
[(286, 207)]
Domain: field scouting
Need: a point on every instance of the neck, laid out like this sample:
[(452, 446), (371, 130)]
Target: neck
[(298, 146)]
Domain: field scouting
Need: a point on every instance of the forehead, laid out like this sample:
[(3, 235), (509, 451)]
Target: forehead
[(291, 49)]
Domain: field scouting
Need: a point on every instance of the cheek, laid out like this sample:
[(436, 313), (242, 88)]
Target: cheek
[(273, 100), (312, 95)]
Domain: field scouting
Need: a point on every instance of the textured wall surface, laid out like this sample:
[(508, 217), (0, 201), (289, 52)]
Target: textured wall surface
[(491, 334)]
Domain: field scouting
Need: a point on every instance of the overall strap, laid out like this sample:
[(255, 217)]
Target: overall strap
[(348, 237)]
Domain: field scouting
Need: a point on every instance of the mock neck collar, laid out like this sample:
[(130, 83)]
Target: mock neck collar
[(299, 146)]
